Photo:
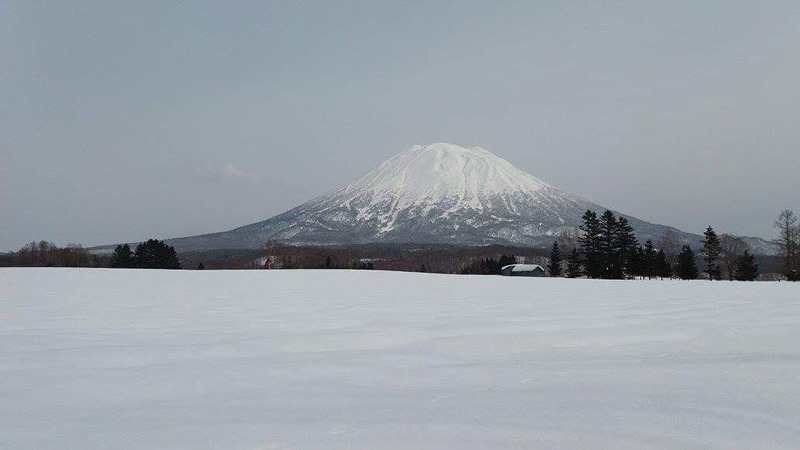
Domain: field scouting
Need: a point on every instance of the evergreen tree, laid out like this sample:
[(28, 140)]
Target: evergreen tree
[(625, 245), (554, 266), (201, 266), (636, 262), (493, 266), (507, 260), (591, 243), (328, 263), (574, 264), (686, 268), (155, 254), (650, 259), (711, 253), (639, 262), (122, 256), (423, 269), (747, 269), (609, 248), (663, 268)]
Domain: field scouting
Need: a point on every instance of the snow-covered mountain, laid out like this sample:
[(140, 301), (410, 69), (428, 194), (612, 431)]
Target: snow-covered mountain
[(439, 193)]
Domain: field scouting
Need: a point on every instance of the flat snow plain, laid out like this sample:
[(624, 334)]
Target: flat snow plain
[(339, 359)]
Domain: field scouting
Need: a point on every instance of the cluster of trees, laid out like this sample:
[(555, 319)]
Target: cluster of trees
[(331, 263), (648, 262), (48, 254), (487, 266), (151, 254), (729, 253), (608, 249)]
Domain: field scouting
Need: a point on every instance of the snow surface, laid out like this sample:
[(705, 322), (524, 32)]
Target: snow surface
[(337, 359)]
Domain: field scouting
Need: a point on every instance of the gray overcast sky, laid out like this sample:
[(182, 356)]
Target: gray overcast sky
[(123, 120)]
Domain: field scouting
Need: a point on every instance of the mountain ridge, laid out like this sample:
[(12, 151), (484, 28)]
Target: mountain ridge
[(437, 193)]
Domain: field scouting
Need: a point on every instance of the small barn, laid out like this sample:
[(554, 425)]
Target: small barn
[(522, 270)]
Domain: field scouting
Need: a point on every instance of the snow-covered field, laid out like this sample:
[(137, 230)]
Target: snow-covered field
[(337, 359)]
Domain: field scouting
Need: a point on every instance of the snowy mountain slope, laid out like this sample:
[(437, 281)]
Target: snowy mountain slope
[(439, 193), (761, 246)]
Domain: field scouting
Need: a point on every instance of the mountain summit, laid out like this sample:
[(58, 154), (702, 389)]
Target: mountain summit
[(438, 193), (442, 172)]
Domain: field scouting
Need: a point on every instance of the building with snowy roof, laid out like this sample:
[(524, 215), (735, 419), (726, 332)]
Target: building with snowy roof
[(522, 270)]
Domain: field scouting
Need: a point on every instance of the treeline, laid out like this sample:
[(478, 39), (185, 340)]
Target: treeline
[(283, 256), (152, 254), (435, 258), (607, 248), (604, 247), (47, 254), (286, 257), (487, 266)]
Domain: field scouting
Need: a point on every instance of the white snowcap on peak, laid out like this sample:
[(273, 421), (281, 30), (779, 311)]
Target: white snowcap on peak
[(430, 173)]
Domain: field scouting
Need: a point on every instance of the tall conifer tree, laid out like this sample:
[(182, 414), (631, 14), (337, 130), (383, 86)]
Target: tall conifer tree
[(574, 264), (747, 269), (663, 268), (649, 259), (609, 249), (122, 256), (711, 253), (636, 262), (687, 265), (591, 242), (554, 266), (625, 247)]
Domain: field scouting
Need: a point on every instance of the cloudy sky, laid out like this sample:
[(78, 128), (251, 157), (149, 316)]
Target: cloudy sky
[(123, 120)]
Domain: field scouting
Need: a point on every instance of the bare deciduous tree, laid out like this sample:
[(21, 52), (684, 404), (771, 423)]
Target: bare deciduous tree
[(732, 248), (789, 240), (669, 242)]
